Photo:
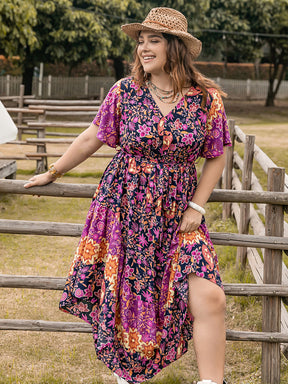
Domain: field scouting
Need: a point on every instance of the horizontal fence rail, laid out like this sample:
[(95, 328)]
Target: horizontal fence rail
[(77, 190), (57, 284), (48, 228), (59, 326)]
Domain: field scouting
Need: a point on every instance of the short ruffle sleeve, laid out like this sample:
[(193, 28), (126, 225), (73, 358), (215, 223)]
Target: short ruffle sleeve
[(108, 117), (217, 132)]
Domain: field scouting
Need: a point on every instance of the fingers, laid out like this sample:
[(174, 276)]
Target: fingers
[(190, 221), (41, 179), (186, 228)]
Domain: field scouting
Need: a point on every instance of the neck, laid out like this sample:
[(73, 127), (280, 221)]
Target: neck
[(163, 81)]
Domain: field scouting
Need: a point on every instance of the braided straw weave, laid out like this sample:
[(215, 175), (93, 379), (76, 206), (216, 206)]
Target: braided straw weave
[(166, 20)]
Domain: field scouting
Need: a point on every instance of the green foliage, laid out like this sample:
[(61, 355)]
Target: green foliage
[(252, 16), (17, 20)]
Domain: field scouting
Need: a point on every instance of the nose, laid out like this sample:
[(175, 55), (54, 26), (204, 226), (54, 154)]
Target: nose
[(144, 46)]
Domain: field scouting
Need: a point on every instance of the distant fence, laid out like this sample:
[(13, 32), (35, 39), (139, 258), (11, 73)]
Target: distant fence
[(58, 87), (89, 87)]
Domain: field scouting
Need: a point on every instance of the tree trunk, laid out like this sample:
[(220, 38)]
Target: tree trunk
[(270, 96), (118, 67), (27, 77)]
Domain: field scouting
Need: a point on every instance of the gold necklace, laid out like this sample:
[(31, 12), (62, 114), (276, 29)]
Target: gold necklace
[(154, 89), (154, 86)]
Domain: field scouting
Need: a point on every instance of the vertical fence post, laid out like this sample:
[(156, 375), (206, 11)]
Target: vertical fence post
[(228, 171), (49, 86), (40, 80), (245, 207), (86, 87), (101, 94), (20, 105), (271, 317), (8, 81), (248, 89)]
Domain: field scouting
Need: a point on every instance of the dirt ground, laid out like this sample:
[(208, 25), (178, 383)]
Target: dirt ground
[(268, 124)]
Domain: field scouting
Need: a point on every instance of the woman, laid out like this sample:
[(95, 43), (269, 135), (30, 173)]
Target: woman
[(145, 272)]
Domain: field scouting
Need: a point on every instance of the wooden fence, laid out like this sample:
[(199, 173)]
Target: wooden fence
[(88, 86), (270, 274)]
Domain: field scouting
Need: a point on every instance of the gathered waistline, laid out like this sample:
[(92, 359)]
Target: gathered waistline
[(152, 160)]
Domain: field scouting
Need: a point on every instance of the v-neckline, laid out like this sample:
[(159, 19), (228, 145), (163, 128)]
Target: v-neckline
[(158, 106)]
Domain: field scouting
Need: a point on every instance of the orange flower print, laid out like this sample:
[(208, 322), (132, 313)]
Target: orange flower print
[(148, 350), (103, 248), (132, 168), (167, 140), (88, 251), (111, 268), (208, 257), (161, 127), (171, 212), (133, 339), (148, 168)]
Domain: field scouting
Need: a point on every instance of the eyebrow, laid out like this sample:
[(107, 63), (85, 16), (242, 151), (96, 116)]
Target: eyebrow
[(151, 36)]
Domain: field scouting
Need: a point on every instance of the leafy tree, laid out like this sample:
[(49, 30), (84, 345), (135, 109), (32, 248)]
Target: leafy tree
[(65, 34), (113, 14), (17, 19), (271, 17), (231, 45), (256, 17)]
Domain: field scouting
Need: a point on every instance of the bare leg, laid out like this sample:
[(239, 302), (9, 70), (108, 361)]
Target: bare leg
[(207, 304)]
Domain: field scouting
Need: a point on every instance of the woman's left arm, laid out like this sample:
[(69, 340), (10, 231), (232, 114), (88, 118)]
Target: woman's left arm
[(211, 172)]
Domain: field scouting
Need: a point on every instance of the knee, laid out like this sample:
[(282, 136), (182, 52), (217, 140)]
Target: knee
[(217, 301), (207, 299)]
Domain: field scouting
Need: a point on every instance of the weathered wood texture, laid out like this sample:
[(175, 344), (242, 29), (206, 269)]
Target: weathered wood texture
[(57, 283), (25, 110), (8, 169), (66, 108), (229, 169), (55, 124), (45, 155), (80, 327), (48, 228), (255, 260), (263, 160), (33, 102), (245, 207), (271, 315), (77, 190)]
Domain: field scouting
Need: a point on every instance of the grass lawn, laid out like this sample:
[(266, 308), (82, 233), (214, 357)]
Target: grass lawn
[(63, 358)]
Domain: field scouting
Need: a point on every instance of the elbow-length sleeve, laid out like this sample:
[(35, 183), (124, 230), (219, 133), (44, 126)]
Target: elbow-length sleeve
[(108, 117), (217, 132)]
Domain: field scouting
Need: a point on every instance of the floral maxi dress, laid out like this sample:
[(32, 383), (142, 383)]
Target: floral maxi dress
[(128, 278)]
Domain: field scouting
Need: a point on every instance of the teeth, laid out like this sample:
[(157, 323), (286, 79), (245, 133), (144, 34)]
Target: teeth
[(148, 57)]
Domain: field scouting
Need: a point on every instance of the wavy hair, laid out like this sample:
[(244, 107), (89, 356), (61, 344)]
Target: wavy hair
[(180, 67)]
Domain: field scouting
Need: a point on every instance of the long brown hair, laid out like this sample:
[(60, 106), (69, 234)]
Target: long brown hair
[(180, 66)]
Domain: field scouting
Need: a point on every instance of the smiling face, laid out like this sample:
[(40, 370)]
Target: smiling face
[(152, 52)]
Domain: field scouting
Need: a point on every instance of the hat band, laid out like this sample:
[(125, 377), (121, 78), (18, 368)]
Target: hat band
[(156, 22)]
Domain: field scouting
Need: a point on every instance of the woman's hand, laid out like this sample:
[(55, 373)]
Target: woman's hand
[(42, 179), (190, 221)]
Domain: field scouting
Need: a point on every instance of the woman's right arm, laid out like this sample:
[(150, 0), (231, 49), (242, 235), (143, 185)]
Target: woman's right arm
[(82, 147)]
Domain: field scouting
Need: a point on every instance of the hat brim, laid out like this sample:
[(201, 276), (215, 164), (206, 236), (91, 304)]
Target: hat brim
[(193, 45)]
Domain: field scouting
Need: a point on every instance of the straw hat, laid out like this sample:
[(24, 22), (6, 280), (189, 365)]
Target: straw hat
[(165, 20)]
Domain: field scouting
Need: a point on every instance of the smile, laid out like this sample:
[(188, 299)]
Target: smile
[(148, 58)]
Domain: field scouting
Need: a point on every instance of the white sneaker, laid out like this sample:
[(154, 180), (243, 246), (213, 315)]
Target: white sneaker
[(120, 380)]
